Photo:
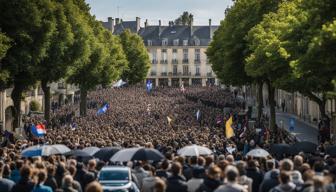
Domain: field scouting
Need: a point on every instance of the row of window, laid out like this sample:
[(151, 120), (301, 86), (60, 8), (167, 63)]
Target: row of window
[(153, 56), (175, 72), (176, 42)]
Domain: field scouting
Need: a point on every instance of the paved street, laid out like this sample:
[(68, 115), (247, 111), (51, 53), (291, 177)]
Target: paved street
[(303, 131)]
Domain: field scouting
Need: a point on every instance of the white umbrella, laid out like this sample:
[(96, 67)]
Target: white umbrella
[(61, 148), (137, 153), (43, 150), (194, 150), (258, 153)]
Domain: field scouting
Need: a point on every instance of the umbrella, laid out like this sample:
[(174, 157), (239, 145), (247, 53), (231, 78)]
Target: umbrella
[(194, 150), (140, 153), (91, 150), (106, 153), (258, 153), (41, 150), (331, 150), (280, 148), (304, 146), (77, 153), (62, 148)]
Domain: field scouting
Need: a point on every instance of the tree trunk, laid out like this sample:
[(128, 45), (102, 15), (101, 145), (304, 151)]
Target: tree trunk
[(83, 101), (16, 97), (271, 101), (46, 91), (320, 101), (260, 99)]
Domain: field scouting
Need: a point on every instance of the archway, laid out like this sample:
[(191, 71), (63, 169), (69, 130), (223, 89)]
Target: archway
[(9, 118)]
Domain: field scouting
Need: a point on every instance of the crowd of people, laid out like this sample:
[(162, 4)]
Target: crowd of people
[(164, 119)]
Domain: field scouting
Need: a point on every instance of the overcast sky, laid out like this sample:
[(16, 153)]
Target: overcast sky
[(164, 10)]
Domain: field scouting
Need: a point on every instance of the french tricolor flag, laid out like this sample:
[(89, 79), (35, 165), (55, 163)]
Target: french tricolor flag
[(39, 130)]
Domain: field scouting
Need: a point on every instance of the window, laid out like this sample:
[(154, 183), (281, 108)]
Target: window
[(149, 42), (164, 42), (164, 68), (175, 69), (153, 70), (185, 70), (185, 55), (154, 57), (197, 70), (185, 42), (197, 56), (197, 42), (164, 55), (174, 54), (176, 42)]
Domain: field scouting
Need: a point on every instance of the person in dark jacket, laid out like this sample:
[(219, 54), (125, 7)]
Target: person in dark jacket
[(255, 174), (212, 181), (271, 182), (24, 184), (51, 181), (176, 182)]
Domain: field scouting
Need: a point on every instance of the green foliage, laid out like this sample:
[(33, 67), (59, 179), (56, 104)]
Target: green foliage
[(34, 106), (185, 19), (229, 48), (137, 56), (5, 44)]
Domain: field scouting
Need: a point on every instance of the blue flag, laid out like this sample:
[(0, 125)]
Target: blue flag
[(103, 109), (149, 86)]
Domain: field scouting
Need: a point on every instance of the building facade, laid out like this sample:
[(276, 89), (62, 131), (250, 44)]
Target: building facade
[(177, 53)]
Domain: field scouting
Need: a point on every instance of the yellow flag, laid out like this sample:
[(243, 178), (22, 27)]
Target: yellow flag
[(228, 129), (169, 120)]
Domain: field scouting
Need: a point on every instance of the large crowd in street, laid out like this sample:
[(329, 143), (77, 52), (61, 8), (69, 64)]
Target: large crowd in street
[(164, 119)]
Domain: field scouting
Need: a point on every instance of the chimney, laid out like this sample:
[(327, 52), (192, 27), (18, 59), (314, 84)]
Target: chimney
[(146, 23), (117, 21), (137, 24), (160, 28), (210, 29), (110, 24)]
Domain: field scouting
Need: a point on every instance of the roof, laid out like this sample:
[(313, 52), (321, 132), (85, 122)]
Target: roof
[(195, 35), (114, 168)]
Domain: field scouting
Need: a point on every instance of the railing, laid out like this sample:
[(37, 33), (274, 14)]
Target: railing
[(186, 74), (153, 73), (197, 61), (164, 74), (185, 61), (164, 62), (197, 74), (154, 61), (174, 61)]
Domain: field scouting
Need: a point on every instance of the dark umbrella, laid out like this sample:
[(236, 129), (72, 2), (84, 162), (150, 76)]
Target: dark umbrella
[(91, 150), (133, 154), (280, 148), (331, 150), (304, 146), (77, 153), (106, 153)]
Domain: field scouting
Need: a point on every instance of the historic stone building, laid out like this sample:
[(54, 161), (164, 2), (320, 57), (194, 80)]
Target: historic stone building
[(177, 52)]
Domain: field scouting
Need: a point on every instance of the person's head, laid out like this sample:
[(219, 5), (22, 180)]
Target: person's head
[(165, 165), (214, 172), (241, 166), (176, 168), (231, 173), (318, 166), (230, 159), (298, 161), (92, 164), (160, 185), (72, 170), (67, 181), (308, 175), (208, 160), (94, 187), (286, 165), (41, 176), (270, 164), (25, 172), (201, 161), (285, 177), (252, 163), (193, 160)]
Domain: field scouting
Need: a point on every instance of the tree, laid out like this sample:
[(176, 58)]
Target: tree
[(229, 48), (137, 56), (58, 60), (185, 19), (5, 44), (29, 24)]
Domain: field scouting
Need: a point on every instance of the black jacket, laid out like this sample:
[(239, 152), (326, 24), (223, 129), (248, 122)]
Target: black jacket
[(256, 176), (24, 185), (268, 184), (176, 183), (209, 185)]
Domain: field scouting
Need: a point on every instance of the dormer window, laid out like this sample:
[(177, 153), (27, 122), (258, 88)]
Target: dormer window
[(149, 42), (164, 42), (185, 42), (197, 42), (176, 42)]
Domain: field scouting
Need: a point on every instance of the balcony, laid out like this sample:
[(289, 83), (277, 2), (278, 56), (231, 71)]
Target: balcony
[(154, 61), (209, 74), (153, 73), (197, 61), (174, 61), (185, 61), (164, 61), (197, 74), (186, 74), (164, 74)]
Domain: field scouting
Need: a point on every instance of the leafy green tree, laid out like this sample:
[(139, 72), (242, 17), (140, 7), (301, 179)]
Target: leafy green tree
[(30, 26), (57, 62), (229, 48), (185, 19), (5, 44), (137, 56)]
